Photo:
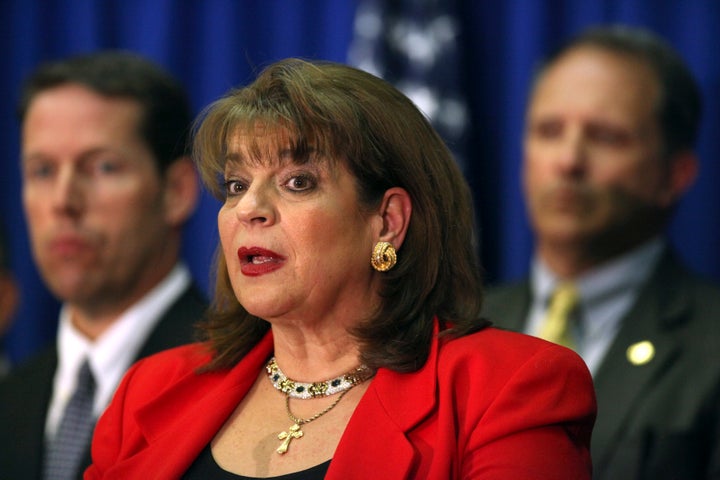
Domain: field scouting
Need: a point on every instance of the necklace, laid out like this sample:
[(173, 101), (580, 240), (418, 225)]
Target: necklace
[(294, 431), (294, 389), (302, 390)]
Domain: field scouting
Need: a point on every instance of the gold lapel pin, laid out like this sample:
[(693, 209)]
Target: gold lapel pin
[(640, 353)]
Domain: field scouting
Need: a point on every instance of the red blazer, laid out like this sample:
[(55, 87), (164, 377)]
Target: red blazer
[(492, 405)]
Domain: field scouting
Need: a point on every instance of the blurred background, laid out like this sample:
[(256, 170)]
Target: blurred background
[(467, 63)]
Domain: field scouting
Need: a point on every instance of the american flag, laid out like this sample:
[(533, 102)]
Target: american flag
[(413, 44)]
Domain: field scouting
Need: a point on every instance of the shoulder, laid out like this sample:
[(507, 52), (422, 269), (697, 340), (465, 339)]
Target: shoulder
[(672, 275), (682, 299), (168, 366), (183, 313), (178, 324), (506, 305), (31, 375), (494, 365), (178, 359), (703, 290), (25, 392), (496, 350), (505, 291), (508, 388), (192, 301)]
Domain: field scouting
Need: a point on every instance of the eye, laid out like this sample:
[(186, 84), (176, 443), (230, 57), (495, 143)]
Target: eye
[(38, 170), (233, 187), (610, 136), (301, 183), (547, 129), (105, 166)]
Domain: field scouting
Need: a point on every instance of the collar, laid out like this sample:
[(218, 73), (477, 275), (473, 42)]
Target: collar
[(386, 403), (625, 272), (112, 353)]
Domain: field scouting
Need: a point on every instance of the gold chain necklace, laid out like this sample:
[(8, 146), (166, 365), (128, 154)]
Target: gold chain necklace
[(294, 431), (293, 389)]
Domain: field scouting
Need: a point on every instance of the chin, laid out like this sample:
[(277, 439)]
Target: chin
[(265, 307), (71, 294), (267, 314), (569, 235)]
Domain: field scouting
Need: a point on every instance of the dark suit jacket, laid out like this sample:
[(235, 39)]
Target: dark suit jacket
[(25, 394), (659, 420), (467, 413)]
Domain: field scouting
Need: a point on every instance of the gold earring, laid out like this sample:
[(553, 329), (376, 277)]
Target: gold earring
[(383, 257)]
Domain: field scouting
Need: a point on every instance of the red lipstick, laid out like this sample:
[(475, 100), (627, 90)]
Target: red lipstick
[(256, 261)]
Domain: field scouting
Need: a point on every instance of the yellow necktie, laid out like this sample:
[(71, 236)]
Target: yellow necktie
[(556, 326)]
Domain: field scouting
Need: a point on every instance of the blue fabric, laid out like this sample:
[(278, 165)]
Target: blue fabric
[(212, 45)]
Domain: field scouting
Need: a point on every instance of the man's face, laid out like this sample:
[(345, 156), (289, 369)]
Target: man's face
[(92, 196), (593, 167)]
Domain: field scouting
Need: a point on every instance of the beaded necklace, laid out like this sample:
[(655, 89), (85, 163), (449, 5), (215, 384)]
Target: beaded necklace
[(294, 389)]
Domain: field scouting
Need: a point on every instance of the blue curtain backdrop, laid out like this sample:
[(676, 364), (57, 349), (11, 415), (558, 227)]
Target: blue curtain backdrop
[(212, 45)]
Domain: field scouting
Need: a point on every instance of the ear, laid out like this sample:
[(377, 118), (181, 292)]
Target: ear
[(182, 191), (682, 173), (395, 211)]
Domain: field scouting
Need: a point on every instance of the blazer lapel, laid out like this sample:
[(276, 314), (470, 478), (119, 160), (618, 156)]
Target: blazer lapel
[(179, 423), (619, 382), (393, 404), (176, 327)]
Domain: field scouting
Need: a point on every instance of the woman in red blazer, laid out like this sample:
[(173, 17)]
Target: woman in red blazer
[(345, 338)]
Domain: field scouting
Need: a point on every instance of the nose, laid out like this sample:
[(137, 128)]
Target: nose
[(68, 196), (572, 152), (255, 206)]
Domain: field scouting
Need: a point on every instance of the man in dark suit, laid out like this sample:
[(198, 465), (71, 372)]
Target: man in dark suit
[(608, 152), (107, 188)]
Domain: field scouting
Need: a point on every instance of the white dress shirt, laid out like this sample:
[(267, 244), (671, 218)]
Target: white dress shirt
[(114, 351), (606, 294)]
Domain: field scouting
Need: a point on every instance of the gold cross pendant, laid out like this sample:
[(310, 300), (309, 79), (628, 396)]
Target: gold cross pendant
[(292, 433)]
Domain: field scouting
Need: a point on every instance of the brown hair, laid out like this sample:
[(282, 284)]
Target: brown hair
[(350, 116), (166, 114)]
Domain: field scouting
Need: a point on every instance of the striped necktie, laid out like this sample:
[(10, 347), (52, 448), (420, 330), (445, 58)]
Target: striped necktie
[(66, 451), (556, 326)]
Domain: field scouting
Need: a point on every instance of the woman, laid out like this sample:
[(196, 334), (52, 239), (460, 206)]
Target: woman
[(344, 340)]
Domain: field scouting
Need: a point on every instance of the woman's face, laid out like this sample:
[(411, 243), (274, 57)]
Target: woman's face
[(296, 242)]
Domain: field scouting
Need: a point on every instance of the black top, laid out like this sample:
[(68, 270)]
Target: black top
[(206, 468)]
